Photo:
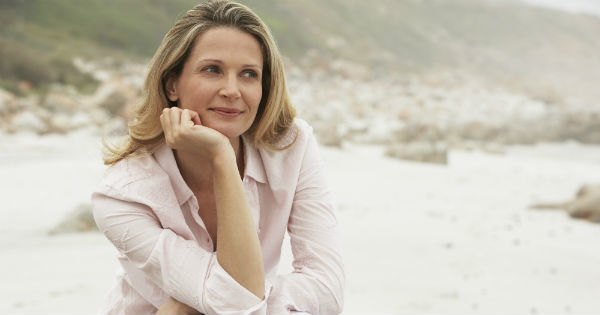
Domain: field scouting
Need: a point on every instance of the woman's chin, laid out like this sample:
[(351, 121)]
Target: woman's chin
[(228, 131), (231, 128)]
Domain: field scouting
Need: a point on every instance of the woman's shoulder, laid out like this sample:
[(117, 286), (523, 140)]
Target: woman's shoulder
[(283, 168), (294, 144), (296, 136), (304, 130), (133, 174)]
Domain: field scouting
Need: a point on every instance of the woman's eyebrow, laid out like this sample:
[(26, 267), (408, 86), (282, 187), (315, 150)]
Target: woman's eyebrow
[(210, 60), (252, 65)]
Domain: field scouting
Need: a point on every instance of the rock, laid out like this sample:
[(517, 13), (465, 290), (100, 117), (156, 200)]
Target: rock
[(4, 126), (114, 102), (60, 102), (470, 145), (581, 126), (329, 133), (479, 131), (80, 120), (60, 123), (115, 127), (428, 152), (585, 205), (8, 103), (329, 136), (117, 99), (28, 121), (28, 102), (418, 132), (81, 219), (98, 116)]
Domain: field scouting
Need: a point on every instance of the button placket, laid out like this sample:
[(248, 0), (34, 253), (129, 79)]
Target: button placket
[(203, 238), (194, 210), (251, 195)]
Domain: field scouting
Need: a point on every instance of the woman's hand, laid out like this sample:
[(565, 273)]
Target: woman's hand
[(184, 131), (172, 307)]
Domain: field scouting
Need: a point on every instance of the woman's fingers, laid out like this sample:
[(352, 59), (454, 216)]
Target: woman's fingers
[(169, 120), (175, 115), (165, 120), (183, 130), (195, 117), (186, 120)]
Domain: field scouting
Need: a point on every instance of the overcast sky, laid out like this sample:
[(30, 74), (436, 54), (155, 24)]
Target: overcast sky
[(577, 6)]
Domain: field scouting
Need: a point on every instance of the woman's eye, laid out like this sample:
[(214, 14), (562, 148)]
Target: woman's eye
[(211, 69), (250, 74)]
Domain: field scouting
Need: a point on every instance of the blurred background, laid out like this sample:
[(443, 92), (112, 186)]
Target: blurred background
[(444, 124)]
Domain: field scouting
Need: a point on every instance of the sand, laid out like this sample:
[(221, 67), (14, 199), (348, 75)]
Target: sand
[(417, 238)]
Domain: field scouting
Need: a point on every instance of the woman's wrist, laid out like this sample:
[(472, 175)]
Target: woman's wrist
[(224, 157)]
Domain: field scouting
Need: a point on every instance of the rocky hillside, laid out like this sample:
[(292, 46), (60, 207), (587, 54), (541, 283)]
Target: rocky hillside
[(547, 54)]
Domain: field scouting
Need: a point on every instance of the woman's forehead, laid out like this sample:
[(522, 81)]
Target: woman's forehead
[(227, 44)]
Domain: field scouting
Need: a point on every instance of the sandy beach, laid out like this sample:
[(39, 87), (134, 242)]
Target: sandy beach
[(417, 238)]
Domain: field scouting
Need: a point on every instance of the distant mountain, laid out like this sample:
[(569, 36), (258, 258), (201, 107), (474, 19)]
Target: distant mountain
[(552, 54)]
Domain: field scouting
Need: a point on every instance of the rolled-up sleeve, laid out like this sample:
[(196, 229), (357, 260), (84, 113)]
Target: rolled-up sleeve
[(317, 283), (180, 267)]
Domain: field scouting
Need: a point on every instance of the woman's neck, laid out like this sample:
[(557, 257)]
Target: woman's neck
[(198, 172)]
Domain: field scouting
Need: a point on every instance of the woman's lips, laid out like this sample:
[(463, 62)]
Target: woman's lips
[(226, 112)]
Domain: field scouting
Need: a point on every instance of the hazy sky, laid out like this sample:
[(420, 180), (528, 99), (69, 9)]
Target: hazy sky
[(577, 6)]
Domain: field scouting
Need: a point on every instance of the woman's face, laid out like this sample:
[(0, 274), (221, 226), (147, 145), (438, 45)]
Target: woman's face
[(221, 80)]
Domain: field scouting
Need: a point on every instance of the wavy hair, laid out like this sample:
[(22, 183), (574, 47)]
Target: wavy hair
[(275, 113)]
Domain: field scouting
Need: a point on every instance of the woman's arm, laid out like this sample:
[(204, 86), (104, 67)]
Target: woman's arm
[(180, 267), (238, 247)]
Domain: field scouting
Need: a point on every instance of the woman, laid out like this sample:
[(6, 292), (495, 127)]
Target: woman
[(214, 171)]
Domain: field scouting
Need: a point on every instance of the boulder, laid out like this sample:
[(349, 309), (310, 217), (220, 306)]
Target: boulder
[(116, 99), (585, 204), (28, 102), (98, 116), (81, 219), (419, 132), (29, 122), (8, 103), (329, 133), (56, 101), (60, 123), (428, 152), (115, 127)]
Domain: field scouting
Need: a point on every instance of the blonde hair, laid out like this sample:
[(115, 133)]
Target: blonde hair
[(275, 112)]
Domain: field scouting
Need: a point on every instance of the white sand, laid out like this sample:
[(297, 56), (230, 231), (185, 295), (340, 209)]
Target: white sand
[(417, 238)]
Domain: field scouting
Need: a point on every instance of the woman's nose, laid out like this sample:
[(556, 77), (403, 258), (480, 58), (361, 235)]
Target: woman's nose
[(230, 88)]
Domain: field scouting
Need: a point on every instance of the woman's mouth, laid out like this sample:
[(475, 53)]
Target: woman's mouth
[(226, 112)]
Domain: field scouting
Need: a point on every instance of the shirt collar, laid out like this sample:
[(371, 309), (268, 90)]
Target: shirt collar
[(166, 159), (254, 167)]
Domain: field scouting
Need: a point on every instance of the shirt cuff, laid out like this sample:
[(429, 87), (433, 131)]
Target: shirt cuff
[(224, 295)]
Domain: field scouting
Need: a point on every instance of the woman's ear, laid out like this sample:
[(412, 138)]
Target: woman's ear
[(171, 88)]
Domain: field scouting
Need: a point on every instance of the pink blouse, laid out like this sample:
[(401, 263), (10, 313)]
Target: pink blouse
[(144, 207)]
